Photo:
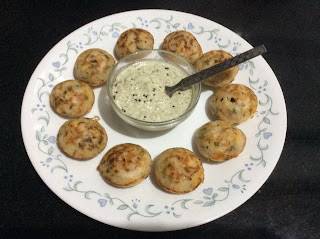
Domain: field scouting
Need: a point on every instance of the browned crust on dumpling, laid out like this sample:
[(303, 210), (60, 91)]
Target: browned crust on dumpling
[(82, 138), (212, 58), (219, 141), (133, 40), (71, 98), (178, 170), (184, 44), (93, 66), (125, 165), (234, 103)]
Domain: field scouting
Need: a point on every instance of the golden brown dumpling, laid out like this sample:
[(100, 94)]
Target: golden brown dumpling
[(133, 40), (212, 58), (125, 165), (234, 103), (72, 98), (82, 138), (178, 170), (184, 44), (93, 66), (219, 141)]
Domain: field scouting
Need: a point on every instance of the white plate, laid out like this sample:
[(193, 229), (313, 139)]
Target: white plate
[(145, 207)]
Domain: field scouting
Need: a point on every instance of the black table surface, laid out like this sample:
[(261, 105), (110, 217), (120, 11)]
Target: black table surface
[(287, 206)]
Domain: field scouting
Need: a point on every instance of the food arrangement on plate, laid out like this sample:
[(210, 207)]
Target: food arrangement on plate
[(100, 187), (138, 91)]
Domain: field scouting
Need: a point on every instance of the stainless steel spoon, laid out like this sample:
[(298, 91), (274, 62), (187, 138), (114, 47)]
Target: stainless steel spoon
[(185, 83)]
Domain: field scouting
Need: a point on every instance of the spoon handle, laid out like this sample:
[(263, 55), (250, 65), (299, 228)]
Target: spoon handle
[(204, 74)]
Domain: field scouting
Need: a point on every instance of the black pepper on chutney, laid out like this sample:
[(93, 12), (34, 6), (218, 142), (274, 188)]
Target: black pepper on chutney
[(139, 89)]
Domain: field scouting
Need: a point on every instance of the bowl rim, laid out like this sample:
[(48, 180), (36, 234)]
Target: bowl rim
[(194, 99)]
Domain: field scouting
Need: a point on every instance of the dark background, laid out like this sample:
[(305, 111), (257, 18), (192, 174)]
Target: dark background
[(287, 206)]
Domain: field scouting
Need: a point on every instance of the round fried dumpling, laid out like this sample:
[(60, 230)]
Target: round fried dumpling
[(184, 44), (234, 103), (125, 165), (178, 170), (82, 138), (71, 98), (219, 141), (93, 66), (133, 40), (212, 58)]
